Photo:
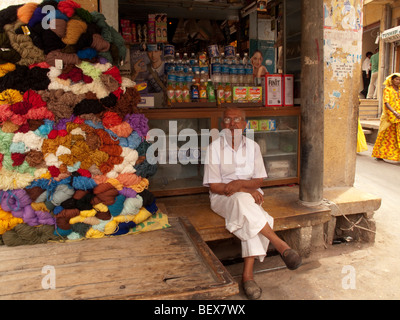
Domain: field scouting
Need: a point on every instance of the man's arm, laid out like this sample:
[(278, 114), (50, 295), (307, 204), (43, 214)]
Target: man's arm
[(249, 186)]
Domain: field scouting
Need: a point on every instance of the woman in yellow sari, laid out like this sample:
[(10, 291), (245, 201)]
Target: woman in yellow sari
[(387, 144)]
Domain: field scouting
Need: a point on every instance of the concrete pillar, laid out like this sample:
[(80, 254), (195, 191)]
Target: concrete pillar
[(312, 103)]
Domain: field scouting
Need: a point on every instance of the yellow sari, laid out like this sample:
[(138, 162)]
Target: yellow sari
[(387, 144)]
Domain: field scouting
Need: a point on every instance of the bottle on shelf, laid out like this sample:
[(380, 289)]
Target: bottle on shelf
[(185, 62), (194, 62), (241, 71), (194, 91), (224, 69), (216, 70), (233, 76), (228, 93), (202, 91), (189, 76), (178, 93), (220, 94), (192, 59), (203, 76), (170, 93), (210, 91), (185, 93), (197, 77)]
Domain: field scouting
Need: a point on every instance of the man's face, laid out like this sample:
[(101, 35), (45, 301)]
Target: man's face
[(233, 120)]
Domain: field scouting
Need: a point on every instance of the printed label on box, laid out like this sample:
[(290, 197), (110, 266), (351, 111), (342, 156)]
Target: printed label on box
[(273, 90)]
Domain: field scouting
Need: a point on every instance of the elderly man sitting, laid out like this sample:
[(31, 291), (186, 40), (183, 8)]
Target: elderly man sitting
[(234, 172)]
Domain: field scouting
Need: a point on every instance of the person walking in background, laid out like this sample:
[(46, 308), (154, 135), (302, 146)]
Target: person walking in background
[(366, 73), (387, 144), (372, 92)]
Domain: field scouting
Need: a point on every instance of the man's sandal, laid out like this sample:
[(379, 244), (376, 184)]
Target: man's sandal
[(291, 259), (252, 290)]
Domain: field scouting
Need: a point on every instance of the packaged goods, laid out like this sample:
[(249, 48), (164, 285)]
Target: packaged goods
[(267, 125), (203, 91), (273, 90), (220, 94), (254, 94), (194, 91), (253, 124), (210, 91), (228, 93), (240, 94), (288, 90), (151, 26)]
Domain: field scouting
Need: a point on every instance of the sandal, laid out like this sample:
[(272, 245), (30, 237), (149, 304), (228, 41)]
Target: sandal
[(252, 290), (291, 259)]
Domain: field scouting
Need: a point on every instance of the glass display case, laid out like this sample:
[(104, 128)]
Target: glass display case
[(180, 138), (278, 141)]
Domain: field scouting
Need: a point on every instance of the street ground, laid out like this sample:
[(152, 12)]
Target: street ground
[(346, 271)]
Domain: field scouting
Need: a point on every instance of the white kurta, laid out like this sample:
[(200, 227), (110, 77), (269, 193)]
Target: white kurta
[(243, 217)]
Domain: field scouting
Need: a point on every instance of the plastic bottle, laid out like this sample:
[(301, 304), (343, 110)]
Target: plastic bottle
[(185, 62), (203, 91), (185, 93), (233, 72), (220, 94), (197, 77), (178, 93), (203, 76), (192, 59), (228, 93), (241, 72), (210, 91), (216, 70), (180, 77), (189, 76), (194, 91), (169, 65), (170, 93), (224, 69), (195, 65)]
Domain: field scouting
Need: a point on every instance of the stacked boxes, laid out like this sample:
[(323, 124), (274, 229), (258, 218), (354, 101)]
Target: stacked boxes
[(247, 94), (152, 31), (278, 90)]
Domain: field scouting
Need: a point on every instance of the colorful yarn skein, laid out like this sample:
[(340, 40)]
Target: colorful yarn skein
[(72, 141)]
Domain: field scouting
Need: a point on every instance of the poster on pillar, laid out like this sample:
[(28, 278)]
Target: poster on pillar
[(342, 48), (262, 51)]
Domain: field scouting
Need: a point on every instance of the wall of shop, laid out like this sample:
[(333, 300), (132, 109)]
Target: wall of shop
[(343, 58)]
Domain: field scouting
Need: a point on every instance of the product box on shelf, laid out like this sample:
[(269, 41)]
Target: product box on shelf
[(273, 90), (247, 94), (151, 28), (267, 125), (161, 27), (252, 124), (240, 94), (254, 94), (288, 83)]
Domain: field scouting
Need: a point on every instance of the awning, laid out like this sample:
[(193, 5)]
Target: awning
[(391, 35)]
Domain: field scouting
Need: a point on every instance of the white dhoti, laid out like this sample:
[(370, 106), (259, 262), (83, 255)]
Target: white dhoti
[(245, 219)]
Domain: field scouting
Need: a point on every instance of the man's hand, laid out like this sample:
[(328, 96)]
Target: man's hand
[(258, 197), (232, 187)]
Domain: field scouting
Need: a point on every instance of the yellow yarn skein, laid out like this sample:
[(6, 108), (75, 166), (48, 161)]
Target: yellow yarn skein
[(6, 68), (10, 96)]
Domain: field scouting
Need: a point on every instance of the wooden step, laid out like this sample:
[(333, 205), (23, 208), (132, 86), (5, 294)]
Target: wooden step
[(282, 203), (172, 263)]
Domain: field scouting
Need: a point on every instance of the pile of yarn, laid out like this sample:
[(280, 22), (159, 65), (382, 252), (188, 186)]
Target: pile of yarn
[(72, 141)]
